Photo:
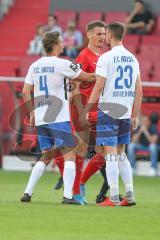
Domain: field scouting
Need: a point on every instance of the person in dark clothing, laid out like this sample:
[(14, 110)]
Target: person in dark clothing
[(145, 138), (140, 20)]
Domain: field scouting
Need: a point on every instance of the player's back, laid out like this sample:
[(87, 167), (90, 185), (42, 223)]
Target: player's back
[(122, 71), (47, 77)]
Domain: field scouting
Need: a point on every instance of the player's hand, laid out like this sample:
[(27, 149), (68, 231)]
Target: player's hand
[(148, 28), (92, 77), (136, 10), (134, 123), (84, 120), (87, 117), (32, 119)]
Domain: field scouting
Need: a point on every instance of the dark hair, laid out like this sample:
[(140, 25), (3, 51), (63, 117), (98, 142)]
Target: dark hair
[(53, 16), (91, 25), (139, 1), (118, 29), (50, 39)]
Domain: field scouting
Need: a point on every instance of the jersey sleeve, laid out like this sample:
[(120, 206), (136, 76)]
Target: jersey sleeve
[(70, 69), (82, 60), (102, 66), (29, 77)]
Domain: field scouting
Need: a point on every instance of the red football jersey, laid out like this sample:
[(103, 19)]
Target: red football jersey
[(88, 60)]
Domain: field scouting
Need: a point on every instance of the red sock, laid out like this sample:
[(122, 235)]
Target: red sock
[(59, 161), (79, 167), (94, 164)]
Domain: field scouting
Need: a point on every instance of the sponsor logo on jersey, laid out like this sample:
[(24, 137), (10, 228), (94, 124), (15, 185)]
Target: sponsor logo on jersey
[(74, 67)]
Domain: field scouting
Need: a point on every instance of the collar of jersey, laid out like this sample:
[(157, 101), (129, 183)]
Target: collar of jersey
[(118, 46)]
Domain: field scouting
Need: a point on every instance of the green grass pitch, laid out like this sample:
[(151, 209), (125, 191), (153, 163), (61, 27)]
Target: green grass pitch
[(46, 218)]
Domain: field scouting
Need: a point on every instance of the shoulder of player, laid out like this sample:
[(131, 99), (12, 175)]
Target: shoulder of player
[(82, 57), (37, 62), (132, 55), (67, 64), (33, 65), (84, 53), (62, 62)]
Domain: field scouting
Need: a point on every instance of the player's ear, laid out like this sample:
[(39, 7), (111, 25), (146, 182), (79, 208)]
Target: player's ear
[(89, 34), (110, 35), (55, 47)]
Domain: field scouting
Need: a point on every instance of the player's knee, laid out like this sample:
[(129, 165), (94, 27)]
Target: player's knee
[(121, 148), (82, 149), (69, 154), (47, 157), (45, 161)]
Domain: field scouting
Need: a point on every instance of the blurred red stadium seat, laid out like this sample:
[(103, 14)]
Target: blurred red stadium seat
[(85, 17), (115, 16), (145, 70), (17, 29), (64, 16), (25, 64), (9, 67), (151, 40), (150, 52), (132, 42), (156, 72), (157, 28), (150, 48)]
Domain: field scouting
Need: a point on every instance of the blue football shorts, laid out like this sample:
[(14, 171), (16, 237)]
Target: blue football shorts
[(55, 135), (112, 132)]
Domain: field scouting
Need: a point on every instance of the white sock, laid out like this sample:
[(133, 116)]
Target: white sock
[(125, 172), (36, 174), (112, 173), (68, 178)]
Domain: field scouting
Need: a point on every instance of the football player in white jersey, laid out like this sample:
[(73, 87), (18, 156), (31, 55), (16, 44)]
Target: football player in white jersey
[(118, 88), (51, 115)]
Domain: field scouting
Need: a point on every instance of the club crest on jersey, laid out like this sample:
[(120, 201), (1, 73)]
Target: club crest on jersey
[(74, 67)]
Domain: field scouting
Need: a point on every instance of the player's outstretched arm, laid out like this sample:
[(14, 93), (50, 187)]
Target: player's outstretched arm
[(83, 76), (137, 102), (28, 101)]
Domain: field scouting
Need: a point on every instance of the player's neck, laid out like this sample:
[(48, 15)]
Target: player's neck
[(53, 54), (94, 49), (115, 44)]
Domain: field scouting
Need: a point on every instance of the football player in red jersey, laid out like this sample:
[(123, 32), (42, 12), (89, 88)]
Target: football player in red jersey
[(88, 58)]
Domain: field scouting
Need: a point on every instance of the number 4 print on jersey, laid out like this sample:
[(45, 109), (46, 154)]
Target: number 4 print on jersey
[(43, 84)]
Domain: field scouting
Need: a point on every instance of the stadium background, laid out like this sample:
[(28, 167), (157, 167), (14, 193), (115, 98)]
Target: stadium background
[(45, 217), (17, 28)]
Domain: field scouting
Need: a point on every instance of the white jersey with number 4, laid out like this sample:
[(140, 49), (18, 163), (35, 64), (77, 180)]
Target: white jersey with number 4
[(121, 69), (48, 75)]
